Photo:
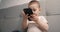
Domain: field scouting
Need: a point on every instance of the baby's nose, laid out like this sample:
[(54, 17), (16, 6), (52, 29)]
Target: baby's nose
[(34, 13)]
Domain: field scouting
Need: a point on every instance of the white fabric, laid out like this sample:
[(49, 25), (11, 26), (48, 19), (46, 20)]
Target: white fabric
[(32, 27)]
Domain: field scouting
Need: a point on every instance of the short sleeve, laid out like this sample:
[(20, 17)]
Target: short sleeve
[(44, 19)]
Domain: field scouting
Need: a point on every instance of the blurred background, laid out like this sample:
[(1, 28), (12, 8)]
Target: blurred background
[(11, 19)]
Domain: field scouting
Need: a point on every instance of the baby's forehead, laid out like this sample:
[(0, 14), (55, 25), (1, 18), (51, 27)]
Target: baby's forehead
[(34, 3)]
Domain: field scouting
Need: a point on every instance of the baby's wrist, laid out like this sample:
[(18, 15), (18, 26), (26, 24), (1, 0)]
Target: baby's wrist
[(37, 20), (25, 17)]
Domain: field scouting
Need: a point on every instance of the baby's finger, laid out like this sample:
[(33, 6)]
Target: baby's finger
[(29, 16), (33, 15)]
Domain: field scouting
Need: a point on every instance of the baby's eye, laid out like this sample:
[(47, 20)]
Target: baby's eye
[(34, 10)]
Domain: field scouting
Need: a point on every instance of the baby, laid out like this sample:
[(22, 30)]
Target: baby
[(38, 23)]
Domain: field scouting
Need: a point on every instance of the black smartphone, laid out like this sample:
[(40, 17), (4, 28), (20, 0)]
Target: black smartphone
[(28, 11)]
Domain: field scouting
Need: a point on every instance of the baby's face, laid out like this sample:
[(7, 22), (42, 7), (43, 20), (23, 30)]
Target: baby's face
[(35, 8)]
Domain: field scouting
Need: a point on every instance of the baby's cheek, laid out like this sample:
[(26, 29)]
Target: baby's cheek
[(36, 12)]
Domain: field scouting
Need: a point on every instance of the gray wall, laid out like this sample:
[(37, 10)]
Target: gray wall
[(10, 14), (53, 15), (11, 18), (54, 23), (11, 3)]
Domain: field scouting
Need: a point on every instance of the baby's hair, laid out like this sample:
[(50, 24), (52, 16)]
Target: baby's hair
[(34, 1)]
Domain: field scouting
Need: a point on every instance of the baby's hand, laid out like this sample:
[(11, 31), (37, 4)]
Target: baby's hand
[(24, 15), (34, 17)]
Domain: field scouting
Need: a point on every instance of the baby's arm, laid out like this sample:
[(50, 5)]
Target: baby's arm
[(43, 24), (24, 21)]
